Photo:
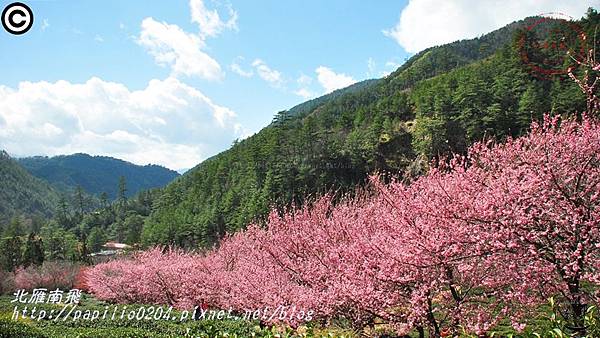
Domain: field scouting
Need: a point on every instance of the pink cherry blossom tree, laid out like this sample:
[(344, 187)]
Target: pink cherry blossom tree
[(544, 195), (478, 239)]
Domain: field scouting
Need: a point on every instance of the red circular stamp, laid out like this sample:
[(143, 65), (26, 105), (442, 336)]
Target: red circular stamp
[(550, 46)]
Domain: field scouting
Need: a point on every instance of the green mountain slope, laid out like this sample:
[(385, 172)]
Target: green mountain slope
[(441, 100), (22, 193), (96, 174)]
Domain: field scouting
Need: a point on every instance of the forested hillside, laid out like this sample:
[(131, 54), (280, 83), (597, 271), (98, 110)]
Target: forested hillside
[(97, 174), (440, 101), (22, 193)]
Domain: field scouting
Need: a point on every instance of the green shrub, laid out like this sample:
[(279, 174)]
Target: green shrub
[(11, 329)]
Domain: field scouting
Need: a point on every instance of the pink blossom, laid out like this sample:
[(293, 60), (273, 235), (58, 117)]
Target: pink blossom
[(480, 238)]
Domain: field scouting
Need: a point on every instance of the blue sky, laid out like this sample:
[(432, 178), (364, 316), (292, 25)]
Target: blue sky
[(175, 82)]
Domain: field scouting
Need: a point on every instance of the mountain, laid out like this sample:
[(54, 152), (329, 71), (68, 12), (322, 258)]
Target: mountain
[(440, 101), (22, 193), (96, 174)]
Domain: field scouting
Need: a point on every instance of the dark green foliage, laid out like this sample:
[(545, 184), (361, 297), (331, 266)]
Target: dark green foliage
[(96, 239), (122, 196), (133, 228), (121, 221), (96, 174), (11, 244), (22, 193), (440, 101), (80, 202), (34, 251), (59, 243), (10, 252)]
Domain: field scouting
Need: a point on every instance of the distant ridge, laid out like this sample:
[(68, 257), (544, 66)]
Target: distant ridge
[(96, 174)]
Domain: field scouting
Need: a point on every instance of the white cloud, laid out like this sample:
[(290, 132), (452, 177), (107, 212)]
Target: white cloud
[(266, 73), (172, 46), (392, 64), (427, 23), (45, 24), (304, 80), (98, 38), (373, 70), (304, 93), (182, 51), (331, 80), (209, 21), (236, 68), (167, 123), (371, 67)]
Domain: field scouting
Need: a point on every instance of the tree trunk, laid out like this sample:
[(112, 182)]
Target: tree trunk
[(432, 321), (578, 308)]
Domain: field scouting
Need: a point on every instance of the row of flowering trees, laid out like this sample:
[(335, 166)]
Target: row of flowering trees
[(479, 239)]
